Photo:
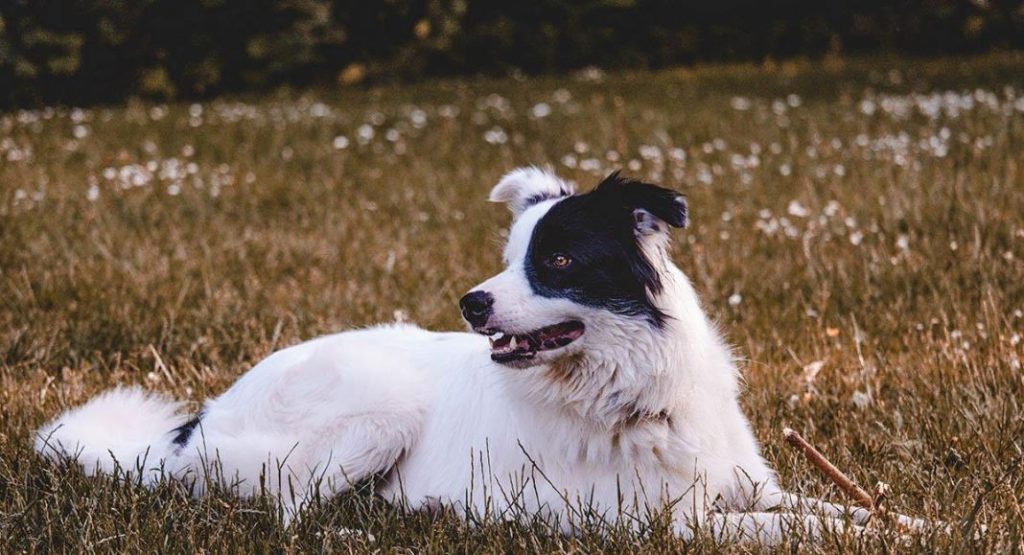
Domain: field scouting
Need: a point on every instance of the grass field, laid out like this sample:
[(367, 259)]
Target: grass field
[(857, 230)]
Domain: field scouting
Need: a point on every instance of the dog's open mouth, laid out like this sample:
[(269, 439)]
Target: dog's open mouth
[(508, 347)]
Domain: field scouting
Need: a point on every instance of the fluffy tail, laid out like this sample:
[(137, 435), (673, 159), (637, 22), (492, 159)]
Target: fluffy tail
[(124, 429)]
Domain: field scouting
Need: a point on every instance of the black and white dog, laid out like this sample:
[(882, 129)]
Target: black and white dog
[(594, 381)]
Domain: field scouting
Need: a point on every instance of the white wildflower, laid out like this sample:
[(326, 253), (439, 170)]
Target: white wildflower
[(365, 133), (860, 399), (797, 209), (740, 103)]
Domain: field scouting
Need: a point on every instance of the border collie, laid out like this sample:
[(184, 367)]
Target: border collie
[(594, 387)]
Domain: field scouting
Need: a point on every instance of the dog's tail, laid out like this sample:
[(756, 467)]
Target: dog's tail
[(123, 430)]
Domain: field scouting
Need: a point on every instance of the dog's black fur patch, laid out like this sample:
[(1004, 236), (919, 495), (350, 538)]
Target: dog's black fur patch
[(597, 231), (541, 197), (184, 432)]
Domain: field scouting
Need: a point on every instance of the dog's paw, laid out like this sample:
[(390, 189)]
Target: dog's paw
[(913, 525), (355, 534), (910, 531), (910, 523)]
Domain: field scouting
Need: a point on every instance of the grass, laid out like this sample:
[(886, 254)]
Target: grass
[(857, 232)]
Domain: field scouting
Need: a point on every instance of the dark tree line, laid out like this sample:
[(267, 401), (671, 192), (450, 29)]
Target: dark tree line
[(83, 51)]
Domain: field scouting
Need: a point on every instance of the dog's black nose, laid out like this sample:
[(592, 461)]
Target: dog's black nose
[(476, 307)]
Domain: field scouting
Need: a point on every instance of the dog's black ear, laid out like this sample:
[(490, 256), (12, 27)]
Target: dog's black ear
[(650, 203)]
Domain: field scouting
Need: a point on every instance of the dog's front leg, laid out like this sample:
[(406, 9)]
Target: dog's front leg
[(858, 515), (792, 502), (772, 529)]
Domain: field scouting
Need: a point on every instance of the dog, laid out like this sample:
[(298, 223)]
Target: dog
[(592, 388)]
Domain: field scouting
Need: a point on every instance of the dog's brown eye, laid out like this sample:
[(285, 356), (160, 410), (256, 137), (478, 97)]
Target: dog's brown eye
[(560, 261)]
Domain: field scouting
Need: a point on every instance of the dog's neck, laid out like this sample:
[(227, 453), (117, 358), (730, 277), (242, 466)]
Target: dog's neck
[(633, 373)]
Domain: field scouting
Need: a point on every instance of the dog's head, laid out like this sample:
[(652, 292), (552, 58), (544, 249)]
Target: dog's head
[(581, 269)]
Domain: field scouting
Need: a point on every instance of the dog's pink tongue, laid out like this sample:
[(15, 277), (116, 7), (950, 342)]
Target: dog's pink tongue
[(559, 335)]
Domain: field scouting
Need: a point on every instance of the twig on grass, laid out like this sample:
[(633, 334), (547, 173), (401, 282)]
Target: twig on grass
[(861, 497)]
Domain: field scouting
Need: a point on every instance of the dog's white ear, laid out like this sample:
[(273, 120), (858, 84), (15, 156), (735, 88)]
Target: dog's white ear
[(523, 187)]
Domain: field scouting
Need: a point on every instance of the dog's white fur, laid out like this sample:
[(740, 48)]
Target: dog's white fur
[(625, 420)]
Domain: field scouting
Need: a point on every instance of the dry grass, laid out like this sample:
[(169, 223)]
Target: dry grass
[(857, 232)]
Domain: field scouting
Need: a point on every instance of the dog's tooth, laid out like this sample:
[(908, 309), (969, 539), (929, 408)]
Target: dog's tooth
[(512, 342), (497, 336)]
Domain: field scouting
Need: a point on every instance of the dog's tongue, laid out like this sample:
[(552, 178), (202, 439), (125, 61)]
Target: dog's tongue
[(558, 335)]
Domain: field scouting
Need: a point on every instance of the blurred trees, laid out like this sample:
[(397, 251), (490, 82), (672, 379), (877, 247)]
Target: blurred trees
[(81, 51)]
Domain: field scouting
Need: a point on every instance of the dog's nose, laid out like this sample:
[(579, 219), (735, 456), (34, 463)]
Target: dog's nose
[(477, 307)]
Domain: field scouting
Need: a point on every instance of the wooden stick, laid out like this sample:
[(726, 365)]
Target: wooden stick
[(828, 469)]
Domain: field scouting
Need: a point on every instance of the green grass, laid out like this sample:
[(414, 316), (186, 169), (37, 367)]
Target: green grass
[(857, 231)]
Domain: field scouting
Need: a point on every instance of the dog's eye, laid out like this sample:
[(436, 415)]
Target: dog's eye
[(559, 261)]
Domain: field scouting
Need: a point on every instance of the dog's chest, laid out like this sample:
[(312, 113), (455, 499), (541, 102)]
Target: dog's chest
[(480, 447)]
